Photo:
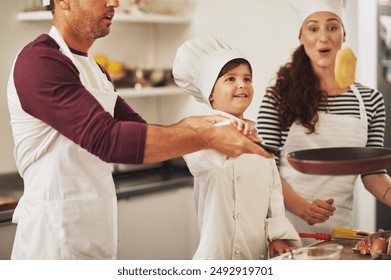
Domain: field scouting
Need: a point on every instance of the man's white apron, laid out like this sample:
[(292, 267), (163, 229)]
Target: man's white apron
[(69, 208)]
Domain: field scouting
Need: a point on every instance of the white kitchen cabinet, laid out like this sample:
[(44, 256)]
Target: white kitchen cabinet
[(7, 234), (158, 226)]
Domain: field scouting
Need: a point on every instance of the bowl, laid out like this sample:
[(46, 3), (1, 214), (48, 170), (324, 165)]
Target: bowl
[(323, 252)]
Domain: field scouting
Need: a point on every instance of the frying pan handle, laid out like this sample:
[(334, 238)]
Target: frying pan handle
[(317, 236)]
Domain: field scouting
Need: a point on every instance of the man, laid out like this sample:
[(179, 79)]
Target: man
[(68, 124)]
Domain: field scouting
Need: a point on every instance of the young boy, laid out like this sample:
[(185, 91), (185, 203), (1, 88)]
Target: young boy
[(239, 200)]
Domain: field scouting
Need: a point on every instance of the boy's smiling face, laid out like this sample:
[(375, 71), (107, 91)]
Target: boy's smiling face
[(233, 92)]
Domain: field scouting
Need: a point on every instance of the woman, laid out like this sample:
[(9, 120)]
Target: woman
[(306, 109)]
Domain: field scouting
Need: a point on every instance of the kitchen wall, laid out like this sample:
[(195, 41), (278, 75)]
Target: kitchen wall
[(12, 37), (366, 50), (263, 29)]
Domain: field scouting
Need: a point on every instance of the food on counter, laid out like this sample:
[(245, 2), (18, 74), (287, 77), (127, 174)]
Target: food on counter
[(102, 59), (380, 245), (115, 69), (345, 67), (135, 77), (157, 76), (379, 248), (363, 246)]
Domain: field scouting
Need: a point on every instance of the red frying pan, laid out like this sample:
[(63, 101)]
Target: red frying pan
[(340, 160)]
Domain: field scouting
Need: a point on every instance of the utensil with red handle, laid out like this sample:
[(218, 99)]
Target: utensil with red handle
[(325, 236), (317, 236)]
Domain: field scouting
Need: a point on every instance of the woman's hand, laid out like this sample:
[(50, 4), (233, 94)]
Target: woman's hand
[(279, 247), (319, 211)]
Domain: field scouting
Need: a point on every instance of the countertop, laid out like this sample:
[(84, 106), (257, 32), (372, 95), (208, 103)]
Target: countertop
[(127, 184), (11, 189), (347, 252)]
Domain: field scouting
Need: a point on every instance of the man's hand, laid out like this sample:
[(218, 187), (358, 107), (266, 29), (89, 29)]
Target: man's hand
[(231, 137)]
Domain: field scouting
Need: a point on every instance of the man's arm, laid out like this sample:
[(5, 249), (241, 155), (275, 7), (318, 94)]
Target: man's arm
[(197, 133)]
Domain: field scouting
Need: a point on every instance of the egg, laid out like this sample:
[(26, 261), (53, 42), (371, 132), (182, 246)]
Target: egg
[(366, 240), (365, 249), (361, 243), (379, 245)]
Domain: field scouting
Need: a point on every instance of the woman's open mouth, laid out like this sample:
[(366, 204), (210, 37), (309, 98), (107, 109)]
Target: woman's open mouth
[(324, 51)]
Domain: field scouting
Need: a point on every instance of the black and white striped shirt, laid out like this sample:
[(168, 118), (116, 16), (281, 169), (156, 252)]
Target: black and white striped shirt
[(347, 104)]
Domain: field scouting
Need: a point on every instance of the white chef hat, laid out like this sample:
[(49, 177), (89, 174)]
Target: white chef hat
[(198, 63), (304, 8), (45, 3)]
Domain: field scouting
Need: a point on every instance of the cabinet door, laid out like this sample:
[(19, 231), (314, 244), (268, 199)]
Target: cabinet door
[(158, 226), (7, 234)]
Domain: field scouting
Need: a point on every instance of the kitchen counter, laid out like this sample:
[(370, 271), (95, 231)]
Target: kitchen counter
[(347, 252), (11, 189), (131, 183)]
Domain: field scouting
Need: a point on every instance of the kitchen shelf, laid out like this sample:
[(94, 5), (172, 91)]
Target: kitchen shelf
[(119, 17), (148, 92), (386, 62)]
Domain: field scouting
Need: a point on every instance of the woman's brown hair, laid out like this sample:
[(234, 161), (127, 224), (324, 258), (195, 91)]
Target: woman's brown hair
[(297, 92)]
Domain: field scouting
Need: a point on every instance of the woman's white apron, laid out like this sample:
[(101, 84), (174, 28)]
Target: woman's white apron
[(331, 131), (69, 207)]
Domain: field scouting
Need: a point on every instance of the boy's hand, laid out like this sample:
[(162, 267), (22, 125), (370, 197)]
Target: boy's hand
[(279, 247)]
